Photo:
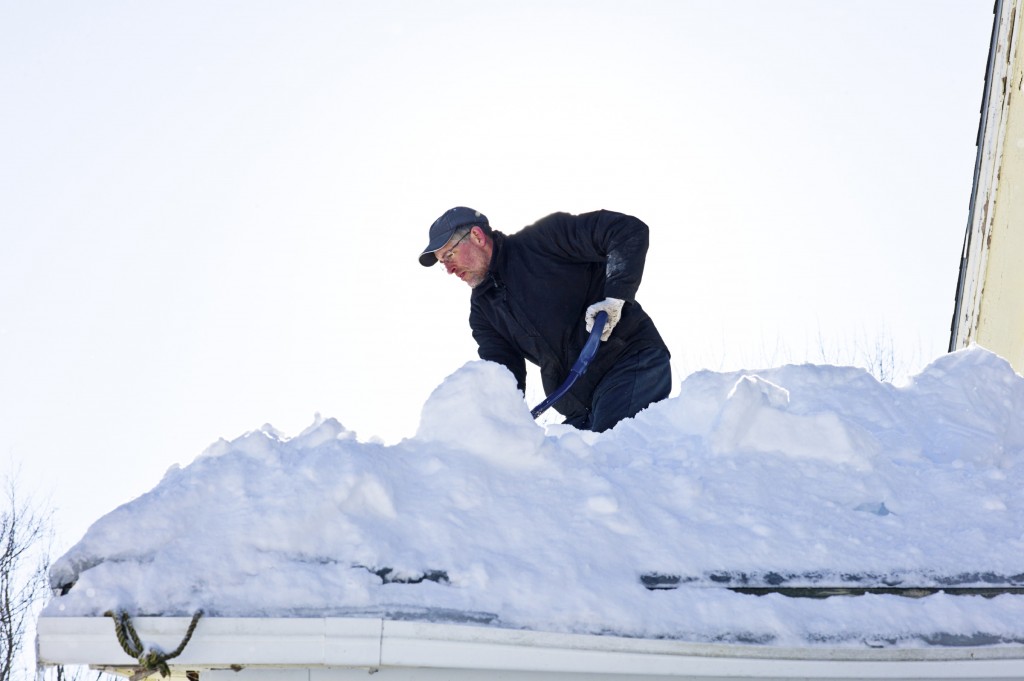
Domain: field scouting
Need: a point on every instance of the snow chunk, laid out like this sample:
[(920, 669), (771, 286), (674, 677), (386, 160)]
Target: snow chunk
[(756, 417), (480, 410)]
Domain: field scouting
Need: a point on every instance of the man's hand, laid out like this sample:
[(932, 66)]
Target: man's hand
[(613, 306)]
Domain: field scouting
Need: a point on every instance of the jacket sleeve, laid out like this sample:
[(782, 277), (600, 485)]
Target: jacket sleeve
[(493, 347), (619, 241)]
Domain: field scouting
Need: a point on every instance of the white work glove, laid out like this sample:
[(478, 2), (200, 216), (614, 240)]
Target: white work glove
[(613, 306)]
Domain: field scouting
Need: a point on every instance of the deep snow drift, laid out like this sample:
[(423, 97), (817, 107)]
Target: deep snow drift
[(795, 470)]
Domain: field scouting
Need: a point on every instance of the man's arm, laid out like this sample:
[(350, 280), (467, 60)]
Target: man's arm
[(619, 241), (493, 347), (624, 240)]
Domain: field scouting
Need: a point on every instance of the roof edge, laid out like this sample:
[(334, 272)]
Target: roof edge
[(376, 644)]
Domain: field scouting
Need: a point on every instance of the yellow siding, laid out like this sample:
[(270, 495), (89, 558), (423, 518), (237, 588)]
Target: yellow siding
[(1001, 312), (991, 302)]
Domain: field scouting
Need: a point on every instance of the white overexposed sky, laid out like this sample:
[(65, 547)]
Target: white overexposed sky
[(211, 211)]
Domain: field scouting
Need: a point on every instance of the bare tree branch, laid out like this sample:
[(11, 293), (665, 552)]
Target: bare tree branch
[(25, 537)]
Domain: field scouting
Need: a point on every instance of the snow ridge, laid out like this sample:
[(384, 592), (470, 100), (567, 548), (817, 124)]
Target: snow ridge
[(488, 517)]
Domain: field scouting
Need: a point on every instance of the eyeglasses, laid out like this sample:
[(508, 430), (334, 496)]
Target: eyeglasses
[(447, 257)]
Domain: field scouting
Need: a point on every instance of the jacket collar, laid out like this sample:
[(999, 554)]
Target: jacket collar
[(494, 270)]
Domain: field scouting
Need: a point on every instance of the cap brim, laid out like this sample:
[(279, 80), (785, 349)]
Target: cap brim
[(427, 257)]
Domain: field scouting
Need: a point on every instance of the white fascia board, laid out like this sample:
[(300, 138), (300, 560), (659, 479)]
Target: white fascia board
[(217, 641), (331, 648), (549, 655)]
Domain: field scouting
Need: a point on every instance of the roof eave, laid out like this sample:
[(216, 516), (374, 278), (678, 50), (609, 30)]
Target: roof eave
[(426, 651)]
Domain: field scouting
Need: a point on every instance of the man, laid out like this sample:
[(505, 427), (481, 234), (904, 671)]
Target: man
[(536, 293)]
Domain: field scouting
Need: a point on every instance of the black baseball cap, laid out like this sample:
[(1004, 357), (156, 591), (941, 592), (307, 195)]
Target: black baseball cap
[(443, 228)]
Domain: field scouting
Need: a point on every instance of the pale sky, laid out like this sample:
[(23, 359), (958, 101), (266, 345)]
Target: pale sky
[(211, 211)]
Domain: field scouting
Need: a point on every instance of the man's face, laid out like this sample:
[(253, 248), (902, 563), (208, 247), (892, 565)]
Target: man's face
[(466, 257)]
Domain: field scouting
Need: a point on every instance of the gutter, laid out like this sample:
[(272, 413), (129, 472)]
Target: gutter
[(238, 649)]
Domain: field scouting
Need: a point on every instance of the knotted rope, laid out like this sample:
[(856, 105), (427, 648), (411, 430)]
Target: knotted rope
[(154, 659)]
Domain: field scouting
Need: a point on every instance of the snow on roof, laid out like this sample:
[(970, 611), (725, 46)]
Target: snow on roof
[(798, 473)]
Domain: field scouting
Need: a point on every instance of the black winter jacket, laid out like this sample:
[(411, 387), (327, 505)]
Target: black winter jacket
[(541, 281)]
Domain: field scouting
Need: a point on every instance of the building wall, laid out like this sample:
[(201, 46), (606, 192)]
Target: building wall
[(1001, 315), (990, 298)]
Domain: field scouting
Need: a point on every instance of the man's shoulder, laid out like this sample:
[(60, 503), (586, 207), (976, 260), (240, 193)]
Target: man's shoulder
[(566, 219), (542, 227), (544, 223)]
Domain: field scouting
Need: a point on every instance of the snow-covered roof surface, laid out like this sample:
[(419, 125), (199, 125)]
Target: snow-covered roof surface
[(798, 473)]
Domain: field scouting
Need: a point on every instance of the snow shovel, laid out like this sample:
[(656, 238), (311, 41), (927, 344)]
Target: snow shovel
[(579, 368)]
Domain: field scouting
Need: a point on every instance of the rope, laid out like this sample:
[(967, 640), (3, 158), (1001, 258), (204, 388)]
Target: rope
[(155, 659)]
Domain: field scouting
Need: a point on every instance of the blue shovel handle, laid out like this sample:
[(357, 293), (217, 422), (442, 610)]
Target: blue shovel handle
[(579, 368)]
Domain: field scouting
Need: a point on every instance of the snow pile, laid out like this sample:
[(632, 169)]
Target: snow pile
[(486, 517)]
